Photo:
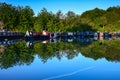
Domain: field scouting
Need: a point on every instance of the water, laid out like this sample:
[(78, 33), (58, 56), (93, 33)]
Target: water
[(74, 60)]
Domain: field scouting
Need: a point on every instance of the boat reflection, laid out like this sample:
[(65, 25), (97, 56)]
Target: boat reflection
[(7, 42), (30, 42)]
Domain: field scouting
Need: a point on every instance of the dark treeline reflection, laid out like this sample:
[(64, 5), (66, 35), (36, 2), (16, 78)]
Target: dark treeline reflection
[(16, 54), (20, 54)]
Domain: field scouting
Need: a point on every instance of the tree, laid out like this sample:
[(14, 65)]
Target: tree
[(25, 18), (19, 18), (7, 15), (1, 24)]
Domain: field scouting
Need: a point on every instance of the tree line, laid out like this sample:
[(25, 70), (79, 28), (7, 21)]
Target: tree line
[(19, 18)]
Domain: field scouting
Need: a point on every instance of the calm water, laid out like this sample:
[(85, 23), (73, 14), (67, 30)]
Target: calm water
[(61, 60)]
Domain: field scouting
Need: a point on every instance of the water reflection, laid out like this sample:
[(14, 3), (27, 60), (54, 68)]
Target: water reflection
[(9, 42), (22, 52)]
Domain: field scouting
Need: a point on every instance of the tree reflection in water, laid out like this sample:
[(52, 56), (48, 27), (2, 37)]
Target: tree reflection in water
[(19, 54)]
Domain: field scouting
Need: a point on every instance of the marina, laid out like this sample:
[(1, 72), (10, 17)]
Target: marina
[(53, 35), (59, 39), (8, 37)]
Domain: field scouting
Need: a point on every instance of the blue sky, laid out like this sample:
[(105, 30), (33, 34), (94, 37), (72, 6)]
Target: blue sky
[(78, 6)]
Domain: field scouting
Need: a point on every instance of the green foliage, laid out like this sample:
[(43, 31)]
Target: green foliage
[(22, 18), (7, 15), (25, 18), (17, 18)]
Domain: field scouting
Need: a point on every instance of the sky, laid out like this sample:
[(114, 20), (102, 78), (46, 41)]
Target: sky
[(77, 6)]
